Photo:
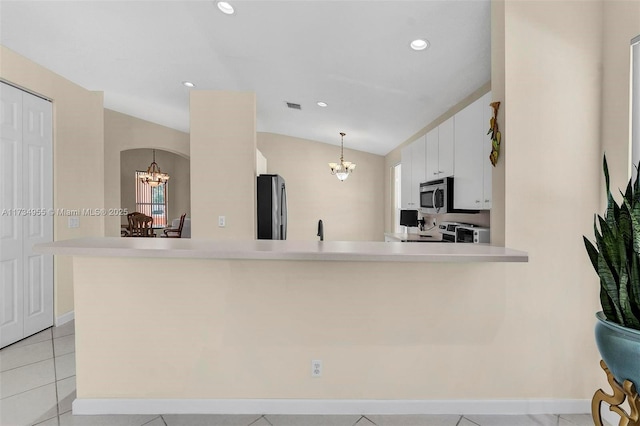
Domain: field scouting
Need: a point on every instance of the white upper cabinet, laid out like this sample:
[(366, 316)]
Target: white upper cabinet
[(412, 174), (470, 140), (445, 148), (439, 149), (432, 163)]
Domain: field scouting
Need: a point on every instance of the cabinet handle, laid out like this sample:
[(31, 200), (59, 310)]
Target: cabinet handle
[(435, 173), (487, 201), (477, 201)]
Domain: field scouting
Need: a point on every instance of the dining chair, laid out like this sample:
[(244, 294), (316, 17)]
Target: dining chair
[(140, 225), (175, 232)]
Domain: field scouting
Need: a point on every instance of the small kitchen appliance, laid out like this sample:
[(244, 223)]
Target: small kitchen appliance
[(448, 231), (472, 234), (436, 197)]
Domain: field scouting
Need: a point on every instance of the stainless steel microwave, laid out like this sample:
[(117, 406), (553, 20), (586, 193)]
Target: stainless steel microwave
[(436, 197)]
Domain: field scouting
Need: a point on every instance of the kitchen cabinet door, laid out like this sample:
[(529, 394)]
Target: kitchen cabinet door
[(468, 154), (487, 174), (446, 148), (417, 169), (405, 178), (431, 149)]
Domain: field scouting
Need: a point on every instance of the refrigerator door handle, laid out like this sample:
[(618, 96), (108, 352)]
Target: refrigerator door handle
[(283, 212)]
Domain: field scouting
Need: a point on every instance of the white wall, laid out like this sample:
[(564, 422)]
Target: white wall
[(349, 210), (78, 163), (123, 132), (179, 188)]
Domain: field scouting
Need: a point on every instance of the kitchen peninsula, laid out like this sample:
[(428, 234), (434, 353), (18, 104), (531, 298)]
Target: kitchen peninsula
[(176, 325)]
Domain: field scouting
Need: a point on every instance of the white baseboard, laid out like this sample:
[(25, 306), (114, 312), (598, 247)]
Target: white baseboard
[(64, 318), (329, 406)]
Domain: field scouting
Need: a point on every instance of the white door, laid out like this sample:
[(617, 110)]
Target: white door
[(11, 264), (26, 195)]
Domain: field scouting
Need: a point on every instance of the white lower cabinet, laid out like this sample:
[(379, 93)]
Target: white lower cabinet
[(472, 181)]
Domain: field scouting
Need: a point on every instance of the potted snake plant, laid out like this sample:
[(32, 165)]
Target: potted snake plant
[(616, 259)]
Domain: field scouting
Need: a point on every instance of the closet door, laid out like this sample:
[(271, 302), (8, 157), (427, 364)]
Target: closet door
[(26, 194), (37, 196), (11, 241)]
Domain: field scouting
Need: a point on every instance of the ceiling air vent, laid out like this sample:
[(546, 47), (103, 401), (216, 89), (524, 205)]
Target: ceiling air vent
[(293, 106)]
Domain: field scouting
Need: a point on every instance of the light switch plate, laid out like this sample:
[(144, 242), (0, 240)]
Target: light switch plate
[(222, 221), (74, 222)]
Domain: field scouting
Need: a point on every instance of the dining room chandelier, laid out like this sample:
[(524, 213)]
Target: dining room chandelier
[(343, 169), (154, 176)]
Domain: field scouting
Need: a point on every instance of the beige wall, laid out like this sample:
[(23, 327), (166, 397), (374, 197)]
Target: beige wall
[(78, 164), (123, 132), (552, 151), (179, 188), (622, 21), (223, 163), (393, 158), (350, 210)]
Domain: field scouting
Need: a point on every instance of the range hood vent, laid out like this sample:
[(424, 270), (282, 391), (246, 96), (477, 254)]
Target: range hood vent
[(293, 106)]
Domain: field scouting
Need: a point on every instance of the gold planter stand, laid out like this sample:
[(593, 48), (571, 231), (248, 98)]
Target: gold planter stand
[(620, 393)]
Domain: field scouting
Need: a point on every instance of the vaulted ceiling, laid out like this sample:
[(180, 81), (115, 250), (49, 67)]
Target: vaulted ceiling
[(353, 55)]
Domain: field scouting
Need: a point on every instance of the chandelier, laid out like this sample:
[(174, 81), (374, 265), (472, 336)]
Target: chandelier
[(344, 168), (154, 176)]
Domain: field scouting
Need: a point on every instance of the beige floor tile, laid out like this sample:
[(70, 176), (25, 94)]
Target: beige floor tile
[(22, 379), (64, 345), (261, 422), (65, 366), (364, 422), (43, 336), (415, 420), (209, 419), (66, 393), (64, 330), (69, 419), (13, 357), (51, 422), (514, 420), (466, 422), (155, 422), (328, 420), (29, 407)]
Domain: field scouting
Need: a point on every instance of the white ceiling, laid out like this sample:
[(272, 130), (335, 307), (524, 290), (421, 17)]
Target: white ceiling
[(354, 55)]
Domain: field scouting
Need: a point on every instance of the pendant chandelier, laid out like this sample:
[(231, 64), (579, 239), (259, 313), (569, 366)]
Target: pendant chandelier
[(343, 169), (154, 176)]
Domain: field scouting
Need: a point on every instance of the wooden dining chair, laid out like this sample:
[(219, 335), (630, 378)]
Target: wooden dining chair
[(140, 225), (175, 232)]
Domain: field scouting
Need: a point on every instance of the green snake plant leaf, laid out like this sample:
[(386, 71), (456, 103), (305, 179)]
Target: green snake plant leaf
[(615, 253), (610, 285), (592, 251), (609, 248)]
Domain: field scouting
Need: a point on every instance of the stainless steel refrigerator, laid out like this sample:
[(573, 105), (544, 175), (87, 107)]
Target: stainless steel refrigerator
[(272, 208)]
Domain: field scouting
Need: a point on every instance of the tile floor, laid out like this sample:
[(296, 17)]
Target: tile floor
[(37, 387)]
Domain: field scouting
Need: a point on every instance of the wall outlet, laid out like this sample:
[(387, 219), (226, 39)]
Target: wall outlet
[(73, 222), (316, 368), (222, 221)]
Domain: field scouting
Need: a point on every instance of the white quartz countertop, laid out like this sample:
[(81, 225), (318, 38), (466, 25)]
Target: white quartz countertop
[(362, 251)]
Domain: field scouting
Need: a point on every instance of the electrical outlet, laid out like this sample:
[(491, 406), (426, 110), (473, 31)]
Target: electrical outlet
[(316, 368), (73, 222), (222, 221)]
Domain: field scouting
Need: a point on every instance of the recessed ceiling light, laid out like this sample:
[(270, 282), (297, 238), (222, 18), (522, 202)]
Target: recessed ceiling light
[(322, 104), (225, 7), (419, 44), (188, 84)]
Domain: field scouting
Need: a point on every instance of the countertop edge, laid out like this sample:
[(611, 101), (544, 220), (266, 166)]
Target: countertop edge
[(337, 251)]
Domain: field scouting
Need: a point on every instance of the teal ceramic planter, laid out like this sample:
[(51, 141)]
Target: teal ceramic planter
[(620, 349)]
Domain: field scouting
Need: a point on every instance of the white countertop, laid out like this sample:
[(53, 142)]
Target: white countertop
[(364, 251)]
